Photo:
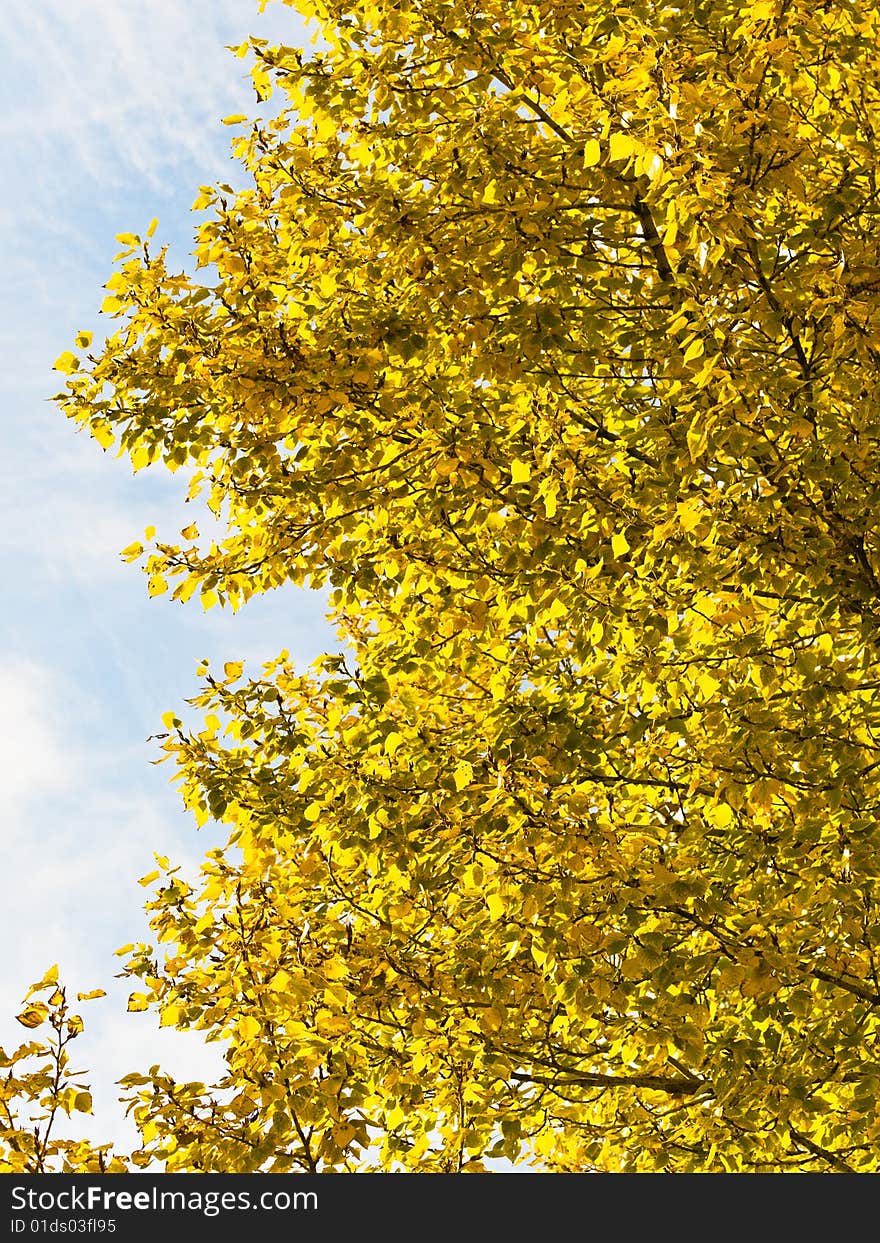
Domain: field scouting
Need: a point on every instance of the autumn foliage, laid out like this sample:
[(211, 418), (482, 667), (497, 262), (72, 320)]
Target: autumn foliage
[(546, 338)]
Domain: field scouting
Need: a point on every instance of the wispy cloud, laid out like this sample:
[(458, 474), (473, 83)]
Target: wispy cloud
[(36, 759), (109, 115), (73, 836), (128, 89)]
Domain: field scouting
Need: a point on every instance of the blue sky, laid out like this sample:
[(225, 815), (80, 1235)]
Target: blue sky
[(110, 116)]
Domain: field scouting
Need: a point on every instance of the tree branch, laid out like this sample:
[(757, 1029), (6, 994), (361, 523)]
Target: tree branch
[(652, 1083)]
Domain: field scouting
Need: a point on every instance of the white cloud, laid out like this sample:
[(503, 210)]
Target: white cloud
[(74, 836), (128, 89), (35, 761)]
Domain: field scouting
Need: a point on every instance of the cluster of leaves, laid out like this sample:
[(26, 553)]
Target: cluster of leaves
[(546, 338), (38, 1087)]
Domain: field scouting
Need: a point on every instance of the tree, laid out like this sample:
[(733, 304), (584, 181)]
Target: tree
[(38, 1087), (545, 337)]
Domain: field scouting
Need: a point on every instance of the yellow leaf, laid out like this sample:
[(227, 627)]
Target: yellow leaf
[(185, 589), (463, 774), (520, 472), (394, 1117), (235, 118), (170, 1016), (51, 976), (592, 152), (328, 1024), (704, 376), (621, 146), (493, 1018), (731, 974), (248, 1027), (33, 1016), (495, 903), (694, 350), (233, 669), (138, 1002), (157, 585), (326, 127), (760, 982), (343, 1133), (392, 742), (619, 544), (557, 608), (103, 435), (707, 685), (90, 996), (689, 514), (697, 436), (313, 812), (83, 1102), (550, 497), (140, 457), (153, 225), (83, 340), (66, 362), (721, 816), (446, 466), (110, 305), (280, 982), (262, 82)]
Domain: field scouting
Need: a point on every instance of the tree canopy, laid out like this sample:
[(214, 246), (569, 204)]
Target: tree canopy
[(546, 338)]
